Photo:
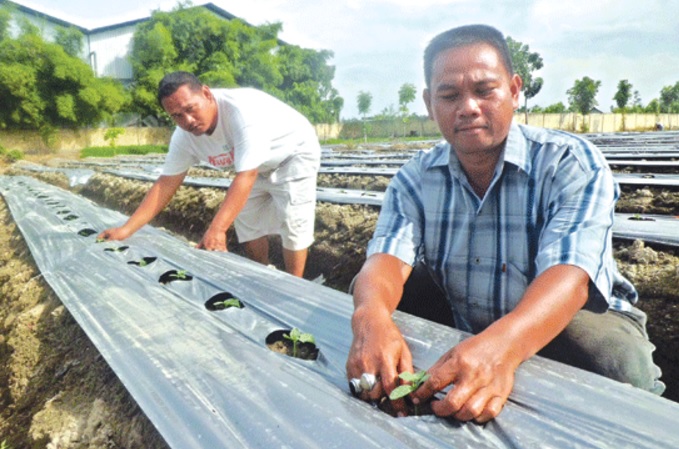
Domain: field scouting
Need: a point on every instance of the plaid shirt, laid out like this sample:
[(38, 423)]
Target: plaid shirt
[(551, 202)]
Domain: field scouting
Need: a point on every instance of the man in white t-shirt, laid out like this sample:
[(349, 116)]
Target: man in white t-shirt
[(275, 154)]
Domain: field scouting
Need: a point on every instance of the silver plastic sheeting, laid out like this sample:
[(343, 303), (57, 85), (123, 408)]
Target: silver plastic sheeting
[(663, 229), (325, 194), (207, 380), (653, 228)]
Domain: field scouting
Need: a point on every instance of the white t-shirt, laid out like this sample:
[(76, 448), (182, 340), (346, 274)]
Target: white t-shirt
[(254, 131)]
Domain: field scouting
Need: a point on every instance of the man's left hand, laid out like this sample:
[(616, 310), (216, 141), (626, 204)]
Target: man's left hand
[(213, 241), (481, 372)]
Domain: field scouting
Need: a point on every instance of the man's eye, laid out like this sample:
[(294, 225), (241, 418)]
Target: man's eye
[(449, 97)]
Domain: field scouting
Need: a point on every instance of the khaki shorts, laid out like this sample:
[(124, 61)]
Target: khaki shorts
[(287, 209)]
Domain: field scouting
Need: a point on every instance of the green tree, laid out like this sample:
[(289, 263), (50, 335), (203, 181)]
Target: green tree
[(43, 87), (582, 96), (307, 83), (556, 108), (653, 107), (71, 40), (406, 95), (525, 63), (623, 95), (5, 19), (230, 53), (669, 99), (364, 101)]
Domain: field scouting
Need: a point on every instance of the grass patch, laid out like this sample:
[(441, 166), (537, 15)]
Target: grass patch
[(10, 156), (117, 151)]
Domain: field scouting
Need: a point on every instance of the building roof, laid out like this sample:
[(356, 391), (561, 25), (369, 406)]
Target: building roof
[(68, 23)]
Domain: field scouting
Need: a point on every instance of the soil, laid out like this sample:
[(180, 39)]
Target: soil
[(56, 391)]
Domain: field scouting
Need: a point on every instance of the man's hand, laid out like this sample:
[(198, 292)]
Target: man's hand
[(481, 368), (378, 348), (213, 241), (481, 371), (120, 233)]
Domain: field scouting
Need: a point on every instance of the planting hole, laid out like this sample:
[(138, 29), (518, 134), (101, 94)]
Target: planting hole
[(224, 300), (640, 218), (86, 232), (70, 217), (174, 275), (116, 250), (282, 341), (143, 262)]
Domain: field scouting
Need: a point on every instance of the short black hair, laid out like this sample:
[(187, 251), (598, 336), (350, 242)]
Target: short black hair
[(173, 81), (462, 36)]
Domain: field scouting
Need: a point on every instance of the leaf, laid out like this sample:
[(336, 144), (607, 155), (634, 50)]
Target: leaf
[(400, 391), (409, 377), (307, 338)]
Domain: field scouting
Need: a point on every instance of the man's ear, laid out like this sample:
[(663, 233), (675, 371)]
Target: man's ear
[(207, 93), (426, 96), (515, 85)]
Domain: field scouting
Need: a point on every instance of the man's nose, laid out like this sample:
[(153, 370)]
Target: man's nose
[(469, 106), (184, 120)]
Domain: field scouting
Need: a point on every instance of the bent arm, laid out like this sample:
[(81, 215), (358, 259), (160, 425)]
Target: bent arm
[(482, 367), (153, 203), (378, 346), (236, 197)]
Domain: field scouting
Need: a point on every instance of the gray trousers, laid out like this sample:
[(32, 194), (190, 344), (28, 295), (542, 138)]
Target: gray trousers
[(613, 344)]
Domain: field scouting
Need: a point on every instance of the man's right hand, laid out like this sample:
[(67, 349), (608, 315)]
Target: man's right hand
[(378, 348), (119, 233)]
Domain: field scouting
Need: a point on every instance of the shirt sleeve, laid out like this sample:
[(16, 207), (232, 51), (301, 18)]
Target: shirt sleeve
[(179, 156), (580, 210), (399, 229)]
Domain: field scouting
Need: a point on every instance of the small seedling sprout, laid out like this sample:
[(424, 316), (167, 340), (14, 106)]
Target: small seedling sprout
[(180, 274), (297, 336), (143, 263), (231, 302), (415, 379)]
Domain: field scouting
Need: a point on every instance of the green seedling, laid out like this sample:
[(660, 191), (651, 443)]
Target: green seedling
[(100, 240), (415, 380), (297, 336), (180, 274), (231, 302)]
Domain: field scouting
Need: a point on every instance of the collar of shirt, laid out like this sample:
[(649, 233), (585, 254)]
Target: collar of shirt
[(515, 152)]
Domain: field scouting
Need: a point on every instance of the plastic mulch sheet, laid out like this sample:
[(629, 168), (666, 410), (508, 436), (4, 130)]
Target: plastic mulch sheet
[(207, 379)]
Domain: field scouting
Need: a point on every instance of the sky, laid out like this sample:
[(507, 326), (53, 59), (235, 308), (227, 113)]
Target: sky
[(378, 44)]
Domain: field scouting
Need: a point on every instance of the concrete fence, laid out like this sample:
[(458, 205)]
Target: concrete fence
[(70, 142)]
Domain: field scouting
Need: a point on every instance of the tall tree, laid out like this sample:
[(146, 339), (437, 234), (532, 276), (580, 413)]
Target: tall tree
[(364, 101), (669, 99), (582, 96), (230, 53), (406, 95), (71, 40), (307, 83), (623, 95), (525, 62)]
